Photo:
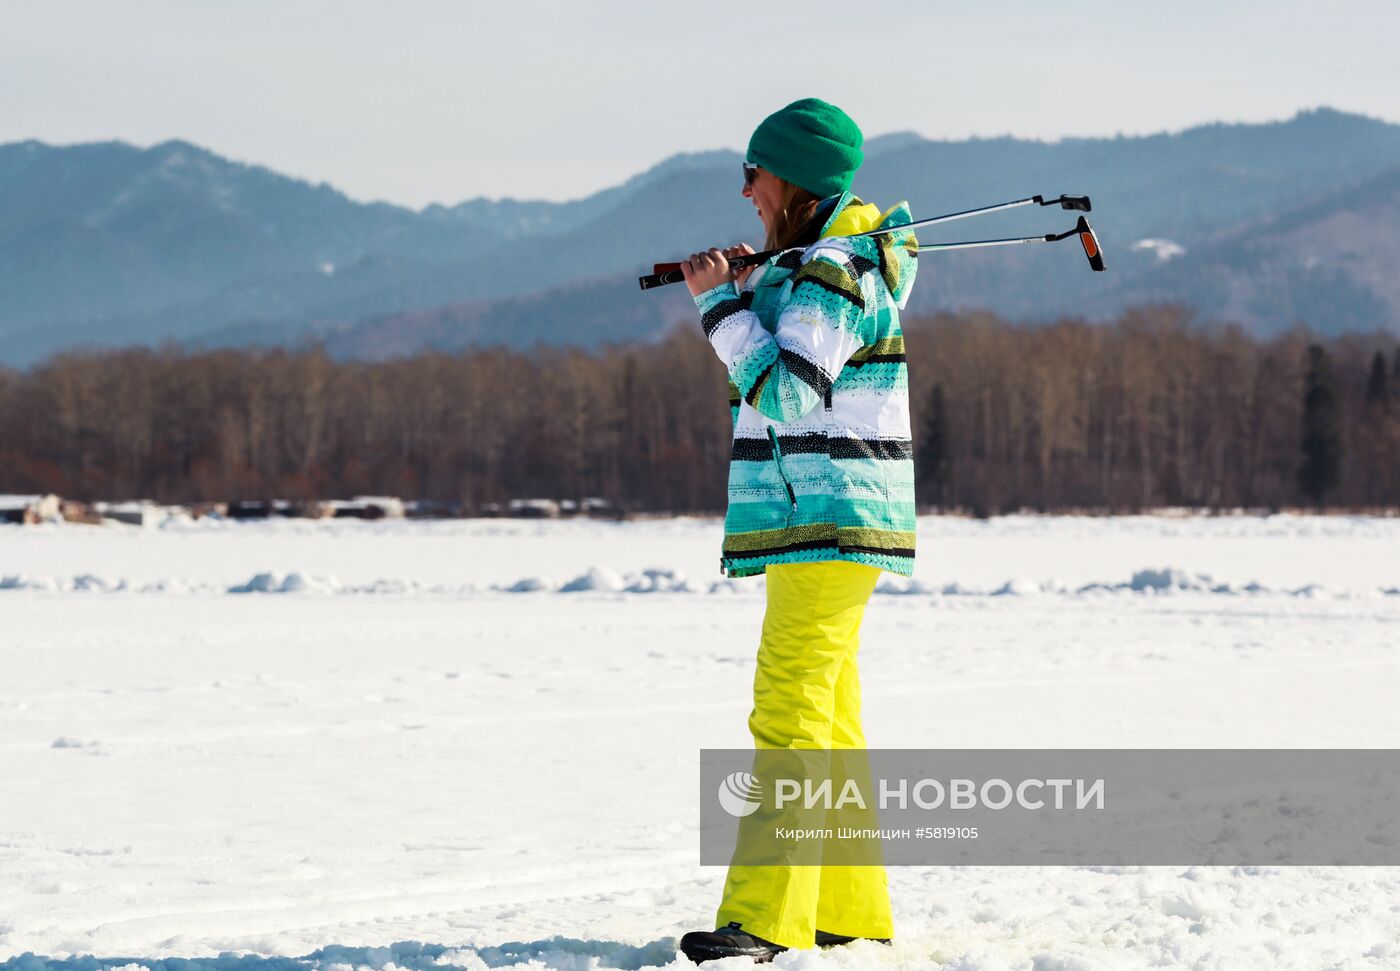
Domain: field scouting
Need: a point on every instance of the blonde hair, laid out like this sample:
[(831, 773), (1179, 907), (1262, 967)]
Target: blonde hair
[(793, 223)]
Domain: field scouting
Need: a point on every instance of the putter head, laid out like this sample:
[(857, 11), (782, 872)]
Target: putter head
[(1090, 242), (1076, 203)]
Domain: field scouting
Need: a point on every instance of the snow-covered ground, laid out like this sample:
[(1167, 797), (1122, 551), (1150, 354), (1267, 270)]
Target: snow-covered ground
[(395, 747)]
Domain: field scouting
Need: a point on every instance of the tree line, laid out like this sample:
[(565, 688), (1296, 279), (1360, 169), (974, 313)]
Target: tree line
[(1154, 409)]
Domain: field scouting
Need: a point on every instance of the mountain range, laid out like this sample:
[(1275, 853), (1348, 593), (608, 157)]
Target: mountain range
[(108, 244)]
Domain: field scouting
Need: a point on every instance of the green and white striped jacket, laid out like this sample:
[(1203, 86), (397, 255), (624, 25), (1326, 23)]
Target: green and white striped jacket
[(822, 464)]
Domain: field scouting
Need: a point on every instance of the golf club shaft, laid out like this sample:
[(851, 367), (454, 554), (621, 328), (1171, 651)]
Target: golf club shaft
[(666, 273), (1080, 203), (934, 220), (973, 244), (1081, 231)]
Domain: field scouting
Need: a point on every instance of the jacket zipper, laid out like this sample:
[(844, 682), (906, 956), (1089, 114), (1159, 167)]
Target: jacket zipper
[(778, 461), (792, 496)]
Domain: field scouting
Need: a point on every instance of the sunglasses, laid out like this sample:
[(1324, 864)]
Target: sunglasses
[(750, 173)]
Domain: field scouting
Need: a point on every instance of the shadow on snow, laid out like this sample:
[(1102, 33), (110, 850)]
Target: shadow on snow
[(562, 953)]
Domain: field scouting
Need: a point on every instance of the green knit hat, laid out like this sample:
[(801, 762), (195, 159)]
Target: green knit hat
[(811, 144)]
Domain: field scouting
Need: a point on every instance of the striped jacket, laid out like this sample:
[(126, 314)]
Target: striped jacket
[(822, 464)]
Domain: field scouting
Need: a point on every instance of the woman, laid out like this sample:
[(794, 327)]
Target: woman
[(821, 486)]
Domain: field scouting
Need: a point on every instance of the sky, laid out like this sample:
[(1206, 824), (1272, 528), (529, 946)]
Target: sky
[(424, 101)]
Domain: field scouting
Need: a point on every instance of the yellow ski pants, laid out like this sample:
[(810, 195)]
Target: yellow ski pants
[(807, 696)]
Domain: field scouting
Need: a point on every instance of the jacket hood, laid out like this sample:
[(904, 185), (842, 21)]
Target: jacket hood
[(896, 253)]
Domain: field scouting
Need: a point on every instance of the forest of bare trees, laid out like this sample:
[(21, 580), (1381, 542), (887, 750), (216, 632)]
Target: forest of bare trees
[(1149, 411)]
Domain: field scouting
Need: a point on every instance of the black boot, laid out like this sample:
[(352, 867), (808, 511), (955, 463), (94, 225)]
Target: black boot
[(727, 942), (832, 940)]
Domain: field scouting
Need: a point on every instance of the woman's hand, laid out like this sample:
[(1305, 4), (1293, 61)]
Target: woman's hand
[(705, 271), (743, 249)]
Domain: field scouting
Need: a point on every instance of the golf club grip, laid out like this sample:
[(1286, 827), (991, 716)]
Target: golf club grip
[(664, 273)]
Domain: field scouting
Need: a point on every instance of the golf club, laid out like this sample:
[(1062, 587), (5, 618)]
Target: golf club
[(1087, 238), (666, 273)]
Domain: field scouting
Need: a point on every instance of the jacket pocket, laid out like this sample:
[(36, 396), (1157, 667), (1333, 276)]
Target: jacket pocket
[(778, 462)]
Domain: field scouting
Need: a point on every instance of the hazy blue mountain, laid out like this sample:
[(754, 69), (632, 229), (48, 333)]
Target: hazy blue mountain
[(511, 218), (94, 231), (1330, 262), (589, 312), (105, 243)]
